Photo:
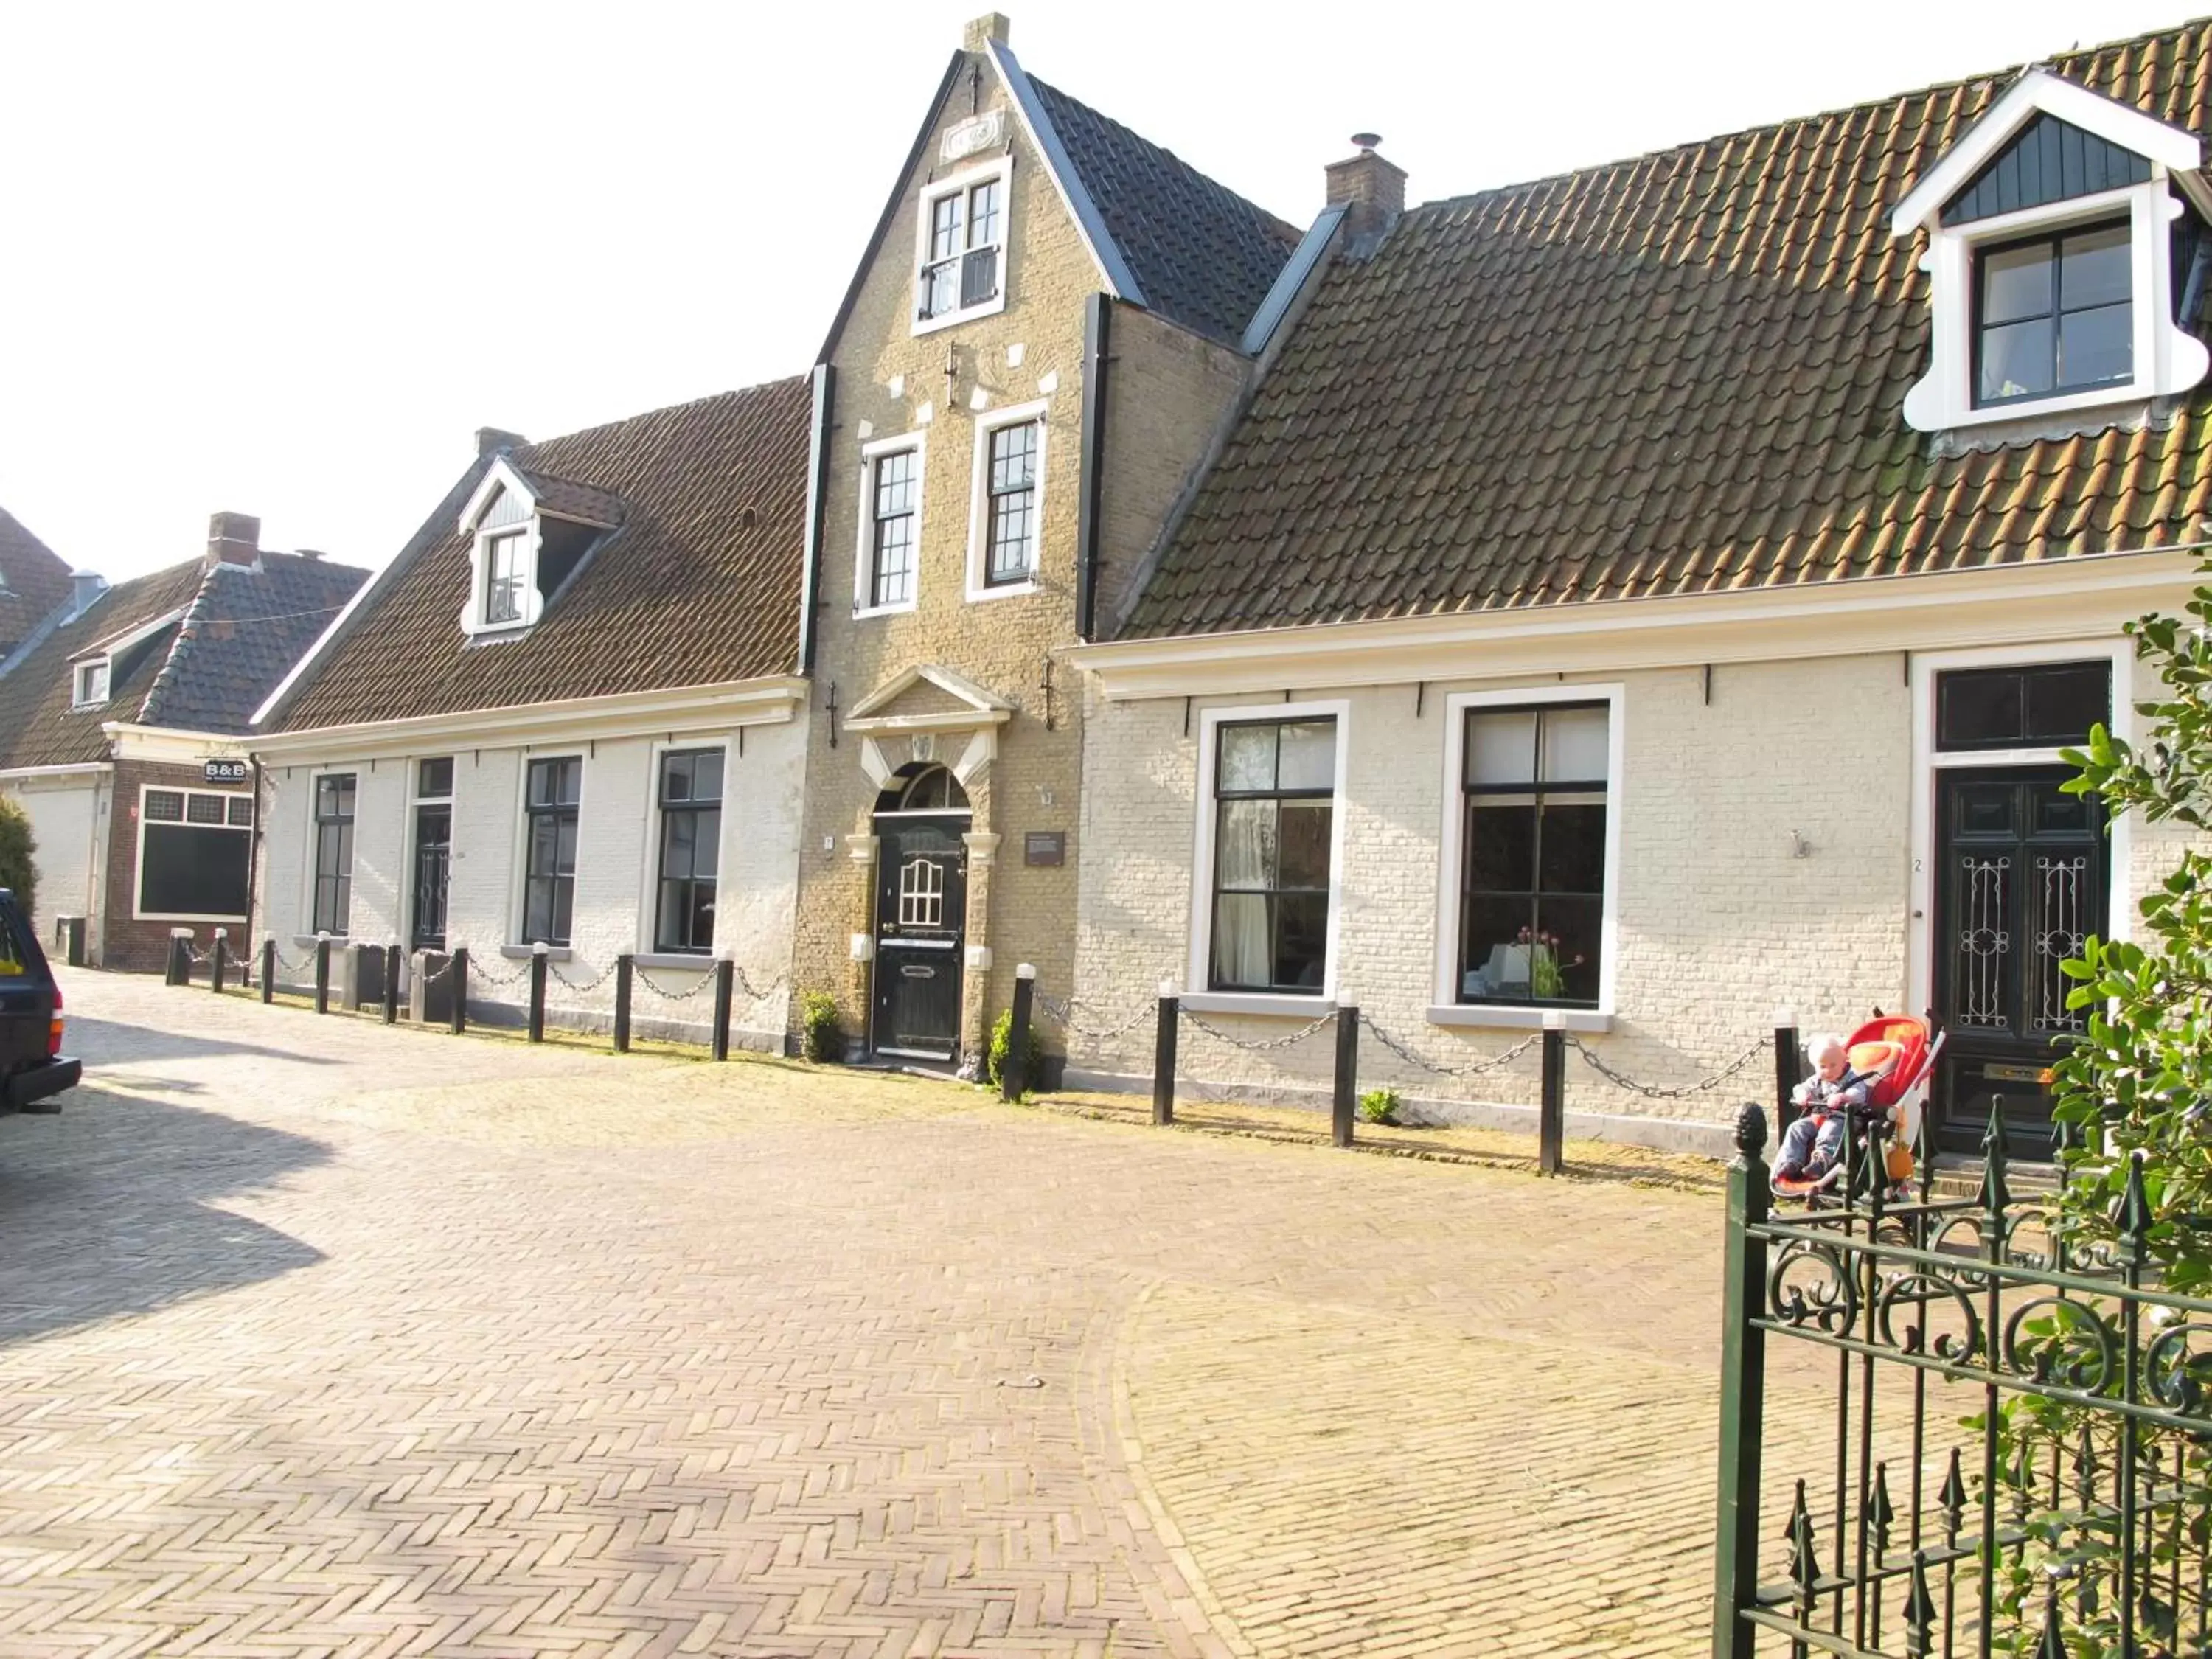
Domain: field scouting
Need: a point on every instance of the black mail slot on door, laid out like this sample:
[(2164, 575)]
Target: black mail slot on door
[(916, 971)]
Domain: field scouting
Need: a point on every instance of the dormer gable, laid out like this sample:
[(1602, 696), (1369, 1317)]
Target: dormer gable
[(2050, 225), (98, 668), (528, 534)]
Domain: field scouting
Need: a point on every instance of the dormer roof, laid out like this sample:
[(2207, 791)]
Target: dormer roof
[(545, 492)]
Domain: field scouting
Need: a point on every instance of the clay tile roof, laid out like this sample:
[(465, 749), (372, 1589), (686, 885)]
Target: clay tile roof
[(243, 633), (32, 581), (1203, 255), (37, 727), (698, 587), (1679, 373), (566, 498)]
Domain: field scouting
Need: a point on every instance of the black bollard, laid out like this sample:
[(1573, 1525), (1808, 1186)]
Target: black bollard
[(725, 973), (1551, 1118), (538, 961), (1163, 1057), (625, 965), (179, 971), (1014, 1070), (217, 961), (1785, 1074), (322, 972), (459, 969), (1347, 1075), (392, 959), (268, 969)]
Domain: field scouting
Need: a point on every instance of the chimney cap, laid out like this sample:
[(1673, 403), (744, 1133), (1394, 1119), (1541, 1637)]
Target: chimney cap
[(1366, 140), (982, 31)]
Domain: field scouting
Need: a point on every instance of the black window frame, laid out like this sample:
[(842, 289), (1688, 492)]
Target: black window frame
[(545, 812), (2052, 240), (954, 269), (998, 501), (692, 812), (910, 516), (1535, 790), (431, 859), (336, 798), (1274, 893), (1951, 681)]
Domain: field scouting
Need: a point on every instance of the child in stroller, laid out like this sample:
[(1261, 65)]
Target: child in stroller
[(1857, 1088)]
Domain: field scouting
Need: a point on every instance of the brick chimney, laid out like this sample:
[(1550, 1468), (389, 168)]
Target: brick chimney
[(982, 31), (234, 538), (1374, 188)]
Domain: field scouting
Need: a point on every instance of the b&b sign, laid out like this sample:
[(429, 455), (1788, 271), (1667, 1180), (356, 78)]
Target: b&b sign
[(224, 771)]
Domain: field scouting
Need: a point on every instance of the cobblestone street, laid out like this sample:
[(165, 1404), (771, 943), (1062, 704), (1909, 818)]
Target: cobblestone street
[(316, 1337)]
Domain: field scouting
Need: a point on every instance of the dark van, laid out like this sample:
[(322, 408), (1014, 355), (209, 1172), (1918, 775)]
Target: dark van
[(32, 1068)]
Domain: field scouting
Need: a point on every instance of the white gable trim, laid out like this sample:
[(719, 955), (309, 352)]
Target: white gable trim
[(116, 644), (1090, 223), (2041, 92), (501, 475), (988, 708)]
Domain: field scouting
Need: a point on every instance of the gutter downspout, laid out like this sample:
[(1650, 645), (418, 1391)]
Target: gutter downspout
[(253, 861), (1097, 335), (817, 493)]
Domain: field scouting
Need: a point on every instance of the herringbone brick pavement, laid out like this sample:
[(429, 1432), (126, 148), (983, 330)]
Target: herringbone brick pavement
[(320, 1338)]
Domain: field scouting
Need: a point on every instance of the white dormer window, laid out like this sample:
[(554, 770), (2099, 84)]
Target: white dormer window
[(961, 253), (91, 684), (2049, 229), (528, 533)]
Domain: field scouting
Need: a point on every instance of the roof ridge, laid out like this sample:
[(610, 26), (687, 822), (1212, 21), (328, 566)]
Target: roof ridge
[(1207, 178), (1997, 78)]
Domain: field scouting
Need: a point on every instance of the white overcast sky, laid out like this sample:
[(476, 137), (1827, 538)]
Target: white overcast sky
[(286, 258)]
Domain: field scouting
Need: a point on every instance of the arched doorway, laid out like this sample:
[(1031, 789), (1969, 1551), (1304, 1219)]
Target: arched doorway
[(922, 912)]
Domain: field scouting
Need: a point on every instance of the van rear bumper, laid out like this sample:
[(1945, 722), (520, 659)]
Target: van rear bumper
[(27, 1090)]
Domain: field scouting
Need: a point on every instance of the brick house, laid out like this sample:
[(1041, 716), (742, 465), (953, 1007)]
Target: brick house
[(1051, 323), (565, 715), (121, 725), (1756, 521)]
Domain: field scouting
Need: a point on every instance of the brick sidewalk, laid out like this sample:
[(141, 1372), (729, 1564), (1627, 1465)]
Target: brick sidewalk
[(318, 1337)]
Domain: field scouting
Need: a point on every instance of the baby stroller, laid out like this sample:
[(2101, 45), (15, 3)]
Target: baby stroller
[(1893, 1056)]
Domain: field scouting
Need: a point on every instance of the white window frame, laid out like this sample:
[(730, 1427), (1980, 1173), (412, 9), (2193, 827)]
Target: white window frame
[(500, 480), (519, 887), (1002, 171), (1198, 968), (138, 868), (1928, 761), (979, 502), (1445, 1008), (78, 671), (864, 564), (649, 914)]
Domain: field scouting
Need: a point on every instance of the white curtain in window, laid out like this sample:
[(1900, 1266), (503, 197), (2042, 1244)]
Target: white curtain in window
[(1241, 951)]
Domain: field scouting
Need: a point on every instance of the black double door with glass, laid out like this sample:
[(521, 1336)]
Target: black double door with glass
[(921, 907), (2021, 880), (433, 851)]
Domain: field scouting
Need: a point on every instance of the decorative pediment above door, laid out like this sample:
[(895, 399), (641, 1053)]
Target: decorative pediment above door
[(928, 714)]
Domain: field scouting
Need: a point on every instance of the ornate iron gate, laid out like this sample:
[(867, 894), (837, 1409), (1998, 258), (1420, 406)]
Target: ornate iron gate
[(1976, 1434)]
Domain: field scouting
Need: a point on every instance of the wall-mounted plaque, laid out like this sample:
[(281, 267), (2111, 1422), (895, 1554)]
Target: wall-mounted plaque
[(1045, 847), (973, 135)]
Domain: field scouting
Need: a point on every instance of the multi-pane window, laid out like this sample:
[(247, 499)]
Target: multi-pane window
[(503, 578), (548, 888), (893, 504), (91, 683), (1010, 482), (1532, 903), (2054, 314), (334, 797), (2043, 705), (194, 849), (1274, 813), (966, 238), (690, 849)]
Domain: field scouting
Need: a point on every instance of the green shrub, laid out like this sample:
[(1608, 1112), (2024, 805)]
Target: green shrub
[(1002, 1039), (1380, 1105), (16, 845), (821, 1027)]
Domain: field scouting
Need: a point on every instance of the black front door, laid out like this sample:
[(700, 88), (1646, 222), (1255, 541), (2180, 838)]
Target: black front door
[(434, 850), (921, 908), (2020, 881)]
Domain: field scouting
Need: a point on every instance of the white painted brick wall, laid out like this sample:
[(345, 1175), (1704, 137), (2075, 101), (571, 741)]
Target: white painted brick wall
[(614, 893)]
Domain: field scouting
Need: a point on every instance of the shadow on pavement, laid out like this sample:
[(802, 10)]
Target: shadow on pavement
[(107, 1041), (105, 1209)]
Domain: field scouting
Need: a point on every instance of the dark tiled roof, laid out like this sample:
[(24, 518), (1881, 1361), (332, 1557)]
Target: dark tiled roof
[(37, 727), (700, 585), (1680, 374), (566, 498), (32, 581), (1204, 256), (243, 633)]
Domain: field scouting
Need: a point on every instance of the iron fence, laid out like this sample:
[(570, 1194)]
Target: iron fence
[(1980, 1429)]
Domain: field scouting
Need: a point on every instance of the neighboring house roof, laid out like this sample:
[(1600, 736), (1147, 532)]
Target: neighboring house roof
[(228, 634), (1202, 255), (33, 580), (1683, 373), (698, 587)]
